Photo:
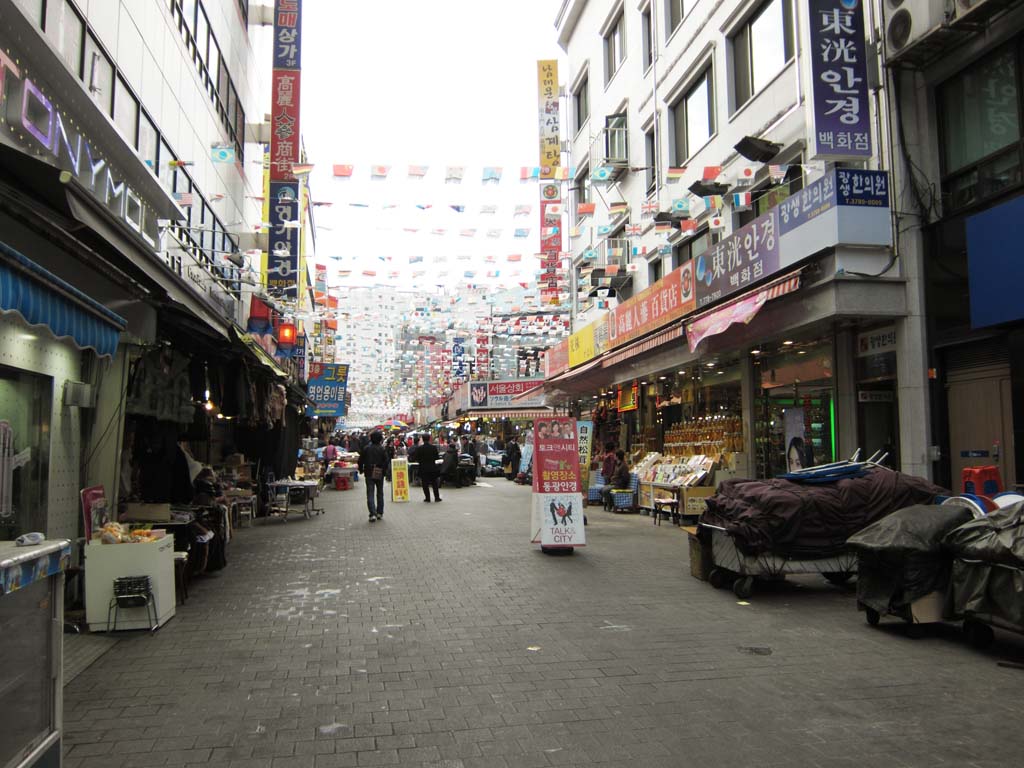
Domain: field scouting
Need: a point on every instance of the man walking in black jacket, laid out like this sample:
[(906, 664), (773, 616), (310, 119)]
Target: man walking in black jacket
[(373, 464), (426, 457)]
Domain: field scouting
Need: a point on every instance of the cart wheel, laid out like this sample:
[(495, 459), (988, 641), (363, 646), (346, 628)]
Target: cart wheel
[(979, 635), (743, 588), (718, 578), (872, 616), (838, 577)]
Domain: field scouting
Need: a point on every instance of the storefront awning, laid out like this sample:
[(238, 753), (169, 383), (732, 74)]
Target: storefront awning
[(256, 352), (526, 413), (739, 310), (43, 299), (653, 341)]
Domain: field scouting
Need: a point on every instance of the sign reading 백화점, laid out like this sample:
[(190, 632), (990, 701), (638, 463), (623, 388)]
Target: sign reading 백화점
[(745, 257), (557, 519)]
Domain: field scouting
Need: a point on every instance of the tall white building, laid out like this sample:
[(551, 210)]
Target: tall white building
[(125, 179), (673, 103)]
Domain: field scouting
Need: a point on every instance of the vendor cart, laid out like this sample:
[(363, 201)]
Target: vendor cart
[(733, 566)]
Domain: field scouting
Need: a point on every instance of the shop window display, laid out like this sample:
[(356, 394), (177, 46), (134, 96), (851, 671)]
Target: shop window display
[(25, 401), (795, 409)]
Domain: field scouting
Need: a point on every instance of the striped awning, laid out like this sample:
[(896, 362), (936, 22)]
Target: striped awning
[(43, 299), (522, 413), (664, 336)]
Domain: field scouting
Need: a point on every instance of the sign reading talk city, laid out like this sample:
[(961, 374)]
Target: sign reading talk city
[(839, 85), (327, 386), (557, 519)]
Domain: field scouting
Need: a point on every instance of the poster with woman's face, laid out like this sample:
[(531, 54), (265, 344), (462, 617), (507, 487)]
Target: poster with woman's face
[(796, 449)]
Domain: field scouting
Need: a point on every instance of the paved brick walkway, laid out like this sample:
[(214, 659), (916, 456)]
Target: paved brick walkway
[(440, 637)]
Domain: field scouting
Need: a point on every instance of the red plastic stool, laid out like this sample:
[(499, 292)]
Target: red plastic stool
[(982, 480)]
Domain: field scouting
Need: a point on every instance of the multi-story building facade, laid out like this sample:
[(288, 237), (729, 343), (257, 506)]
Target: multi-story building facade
[(126, 178), (754, 278), (954, 73)]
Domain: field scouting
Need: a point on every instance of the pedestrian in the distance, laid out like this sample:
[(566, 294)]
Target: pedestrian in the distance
[(426, 457), (373, 464)]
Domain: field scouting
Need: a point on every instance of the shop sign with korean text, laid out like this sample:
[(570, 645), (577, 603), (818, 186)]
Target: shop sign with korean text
[(548, 117), (283, 256), (581, 346), (742, 259), (839, 85), (556, 359), (285, 143), (399, 479), (557, 519), (585, 440), (327, 387), (500, 394), (669, 299)]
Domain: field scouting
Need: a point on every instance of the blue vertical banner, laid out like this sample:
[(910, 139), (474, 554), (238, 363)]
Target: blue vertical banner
[(839, 82)]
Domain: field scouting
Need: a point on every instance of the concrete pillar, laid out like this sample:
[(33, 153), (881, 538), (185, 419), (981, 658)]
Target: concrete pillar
[(748, 390), (846, 395)]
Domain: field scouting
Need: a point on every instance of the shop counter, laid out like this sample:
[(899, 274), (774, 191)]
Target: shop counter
[(106, 562), (31, 675)]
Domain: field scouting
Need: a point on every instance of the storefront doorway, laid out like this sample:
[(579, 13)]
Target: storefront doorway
[(980, 421)]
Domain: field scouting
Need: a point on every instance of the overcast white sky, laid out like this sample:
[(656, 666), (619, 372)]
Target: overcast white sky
[(450, 82)]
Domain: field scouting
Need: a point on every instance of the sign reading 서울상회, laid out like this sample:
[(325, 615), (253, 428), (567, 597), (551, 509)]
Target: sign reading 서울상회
[(327, 386), (557, 519), (500, 394)]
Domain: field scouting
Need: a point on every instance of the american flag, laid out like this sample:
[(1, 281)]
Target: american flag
[(184, 199), (777, 172)]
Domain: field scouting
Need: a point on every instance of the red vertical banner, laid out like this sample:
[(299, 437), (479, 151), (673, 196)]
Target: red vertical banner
[(557, 519), (483, 359)]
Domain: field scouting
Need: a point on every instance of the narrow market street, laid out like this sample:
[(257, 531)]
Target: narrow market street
[(440, 637)]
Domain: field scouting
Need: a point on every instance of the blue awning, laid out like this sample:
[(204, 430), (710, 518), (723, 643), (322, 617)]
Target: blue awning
[(42, 298)]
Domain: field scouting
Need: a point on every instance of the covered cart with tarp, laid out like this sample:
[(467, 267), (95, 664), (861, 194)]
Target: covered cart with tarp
[(902, 569), (799, 523), (987, 583)]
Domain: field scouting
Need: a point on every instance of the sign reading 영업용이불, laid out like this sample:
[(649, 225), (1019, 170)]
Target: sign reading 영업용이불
[(399, 479), (557, 513), (327, 387)]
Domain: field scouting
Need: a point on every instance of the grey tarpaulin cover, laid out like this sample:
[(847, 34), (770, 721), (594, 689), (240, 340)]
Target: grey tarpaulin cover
[(900, 557), (988, 572), (810, 521)]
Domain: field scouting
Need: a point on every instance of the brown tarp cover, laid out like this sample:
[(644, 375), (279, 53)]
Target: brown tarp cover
[(805, 521)]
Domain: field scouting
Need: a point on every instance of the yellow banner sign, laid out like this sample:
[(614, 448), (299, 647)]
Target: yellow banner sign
[(399, 479), (547, 89), (581, 346)]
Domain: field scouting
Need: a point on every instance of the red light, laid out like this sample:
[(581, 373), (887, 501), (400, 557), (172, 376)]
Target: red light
[(286, 334)]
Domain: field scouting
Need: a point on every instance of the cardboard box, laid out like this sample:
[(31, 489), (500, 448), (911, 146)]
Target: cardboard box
[(693, 500), (700, 556), (147, 513)]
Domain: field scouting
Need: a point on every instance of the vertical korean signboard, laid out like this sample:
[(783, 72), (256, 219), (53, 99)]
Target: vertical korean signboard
[(842, 119), (550, 194), (557, 519), (284, 193), (327, 387)]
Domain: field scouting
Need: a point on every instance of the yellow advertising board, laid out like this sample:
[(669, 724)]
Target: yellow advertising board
[(399, 479), (581, 346), (550, 146)]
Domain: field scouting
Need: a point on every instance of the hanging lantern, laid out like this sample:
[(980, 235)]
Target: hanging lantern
[(286, 334)]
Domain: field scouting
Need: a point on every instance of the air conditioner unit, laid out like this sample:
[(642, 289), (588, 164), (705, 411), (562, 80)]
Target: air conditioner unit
[(908, 21), (79, 394)]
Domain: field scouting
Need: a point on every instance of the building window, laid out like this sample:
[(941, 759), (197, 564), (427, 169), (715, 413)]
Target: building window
[(581, 102), (654, 270), (693, 118), (26, 405), (98, 75), (650, 160), (757, 56), (676, 11), (979, 109), (126, 111), (65, 29), (581, 192), (647, 37), (691, 249), (616, 140), (149, 141), (614, 47)]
